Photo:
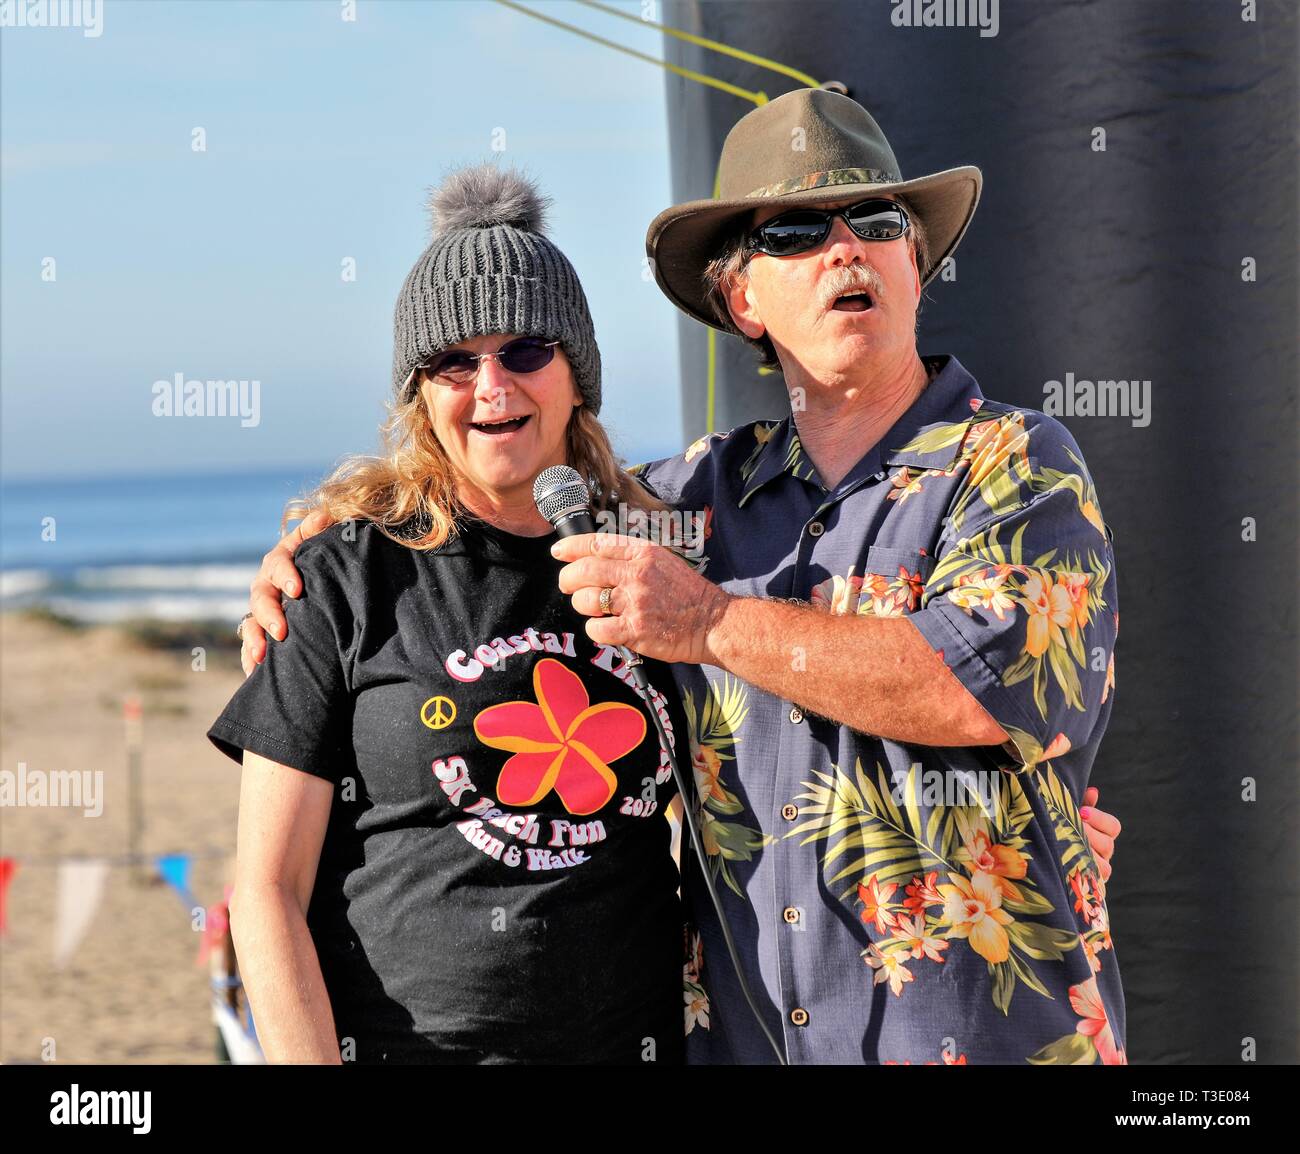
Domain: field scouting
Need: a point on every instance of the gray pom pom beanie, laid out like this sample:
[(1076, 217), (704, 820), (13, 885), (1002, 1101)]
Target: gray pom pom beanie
[(491, 269)]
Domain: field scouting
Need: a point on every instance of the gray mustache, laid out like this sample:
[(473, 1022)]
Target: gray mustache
[(852, 278)]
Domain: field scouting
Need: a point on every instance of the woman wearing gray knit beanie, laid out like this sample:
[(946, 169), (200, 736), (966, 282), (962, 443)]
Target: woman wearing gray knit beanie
[(452, 844)]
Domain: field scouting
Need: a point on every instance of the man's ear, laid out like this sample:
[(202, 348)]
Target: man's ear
[(740, 304)]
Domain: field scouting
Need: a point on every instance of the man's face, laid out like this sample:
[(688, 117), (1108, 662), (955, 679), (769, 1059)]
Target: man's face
[(798, 300)]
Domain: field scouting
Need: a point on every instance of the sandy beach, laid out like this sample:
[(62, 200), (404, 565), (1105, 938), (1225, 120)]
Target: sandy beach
[(132, 991)]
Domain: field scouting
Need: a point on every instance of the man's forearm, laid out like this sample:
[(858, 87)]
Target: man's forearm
[(877, 675)]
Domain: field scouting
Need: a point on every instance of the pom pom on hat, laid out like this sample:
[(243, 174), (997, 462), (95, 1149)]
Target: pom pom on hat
[(485, 195)]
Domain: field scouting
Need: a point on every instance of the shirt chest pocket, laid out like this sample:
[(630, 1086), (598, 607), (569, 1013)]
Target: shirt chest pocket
[(891, 581)]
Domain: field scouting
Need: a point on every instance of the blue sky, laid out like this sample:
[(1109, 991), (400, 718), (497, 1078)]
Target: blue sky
[(322, 137)]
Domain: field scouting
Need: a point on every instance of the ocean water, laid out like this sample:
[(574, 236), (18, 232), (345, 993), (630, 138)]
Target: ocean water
[(169, 547), (174, 548)]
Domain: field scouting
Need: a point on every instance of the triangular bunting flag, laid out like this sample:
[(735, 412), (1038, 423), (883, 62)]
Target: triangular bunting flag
[(174, 869), (80, 888), (8, 867)]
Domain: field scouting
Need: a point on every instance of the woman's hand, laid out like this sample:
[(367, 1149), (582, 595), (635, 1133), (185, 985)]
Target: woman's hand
[(277, 575), (1103, 828)]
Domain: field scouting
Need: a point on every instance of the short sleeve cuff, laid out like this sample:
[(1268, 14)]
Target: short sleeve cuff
[(943, 625), (232, 739)]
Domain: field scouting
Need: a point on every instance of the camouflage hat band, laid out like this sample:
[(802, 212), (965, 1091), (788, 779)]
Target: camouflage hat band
[(826, 179)]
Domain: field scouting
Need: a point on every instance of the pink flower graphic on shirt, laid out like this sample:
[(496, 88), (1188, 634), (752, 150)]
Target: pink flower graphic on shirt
[(562, 743), (1093, 1023)]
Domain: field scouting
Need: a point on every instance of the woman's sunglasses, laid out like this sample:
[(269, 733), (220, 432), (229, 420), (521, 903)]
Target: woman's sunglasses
[(522, 355), (804, 228)]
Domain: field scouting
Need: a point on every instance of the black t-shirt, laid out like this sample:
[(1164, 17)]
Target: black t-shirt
[(496, 882)]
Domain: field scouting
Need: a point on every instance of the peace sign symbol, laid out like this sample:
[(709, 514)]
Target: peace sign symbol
[(444, 712)]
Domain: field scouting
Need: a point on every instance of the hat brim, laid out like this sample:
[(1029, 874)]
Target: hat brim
[(682, 239)]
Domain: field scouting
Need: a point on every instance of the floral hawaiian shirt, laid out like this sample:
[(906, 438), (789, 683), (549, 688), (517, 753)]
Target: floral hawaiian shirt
[(890, 902)]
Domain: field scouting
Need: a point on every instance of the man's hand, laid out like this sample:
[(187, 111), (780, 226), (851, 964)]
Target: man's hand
[(660, 606), (1103, 828), (277, 575)]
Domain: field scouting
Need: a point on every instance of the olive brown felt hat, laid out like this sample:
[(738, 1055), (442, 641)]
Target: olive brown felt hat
[(807, 148)]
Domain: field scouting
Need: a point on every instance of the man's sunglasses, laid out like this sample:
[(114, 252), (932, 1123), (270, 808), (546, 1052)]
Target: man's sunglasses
[(522, 355), (804, 228)]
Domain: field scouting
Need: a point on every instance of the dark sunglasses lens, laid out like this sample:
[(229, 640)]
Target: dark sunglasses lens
[(877, 220), (454, 366), (527, 355), (793, 232)]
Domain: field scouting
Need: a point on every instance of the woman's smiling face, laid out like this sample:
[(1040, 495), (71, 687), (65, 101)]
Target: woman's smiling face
[(500, 429)]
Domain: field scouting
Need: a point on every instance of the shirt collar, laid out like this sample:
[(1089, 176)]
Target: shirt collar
[(926, 436), (778, 452), (930, 434)]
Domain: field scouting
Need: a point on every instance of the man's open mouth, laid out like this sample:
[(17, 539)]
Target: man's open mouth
[(504, 425), (853, 302)]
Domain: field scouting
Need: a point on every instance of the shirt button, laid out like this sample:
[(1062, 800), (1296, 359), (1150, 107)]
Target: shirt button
[(816, 529), (799, 1017), (791, 915), (789, 812), (796, 715)]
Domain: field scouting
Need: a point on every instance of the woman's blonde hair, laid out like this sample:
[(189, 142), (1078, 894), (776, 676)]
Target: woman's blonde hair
[(411, 486)]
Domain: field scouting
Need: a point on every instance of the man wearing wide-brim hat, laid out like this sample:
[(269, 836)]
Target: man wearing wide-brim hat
[(898, 650)]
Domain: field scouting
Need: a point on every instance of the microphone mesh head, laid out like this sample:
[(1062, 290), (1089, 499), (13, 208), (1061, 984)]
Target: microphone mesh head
[(558, 490)]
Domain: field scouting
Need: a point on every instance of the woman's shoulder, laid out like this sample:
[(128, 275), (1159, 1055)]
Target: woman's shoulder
[(352, 552), (346, 542), (348, 568)]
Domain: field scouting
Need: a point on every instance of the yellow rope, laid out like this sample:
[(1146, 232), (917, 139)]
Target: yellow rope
[(699, 77), (758, 98), (713, 45)]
